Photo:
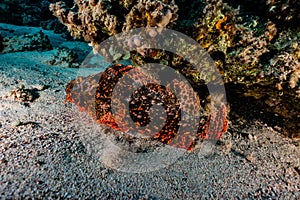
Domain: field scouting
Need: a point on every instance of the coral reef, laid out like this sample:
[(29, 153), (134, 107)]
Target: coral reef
[(285, 11), (282, 12), (257, 54), (27, 42), (216, 28), (95, 21), (151, 14)]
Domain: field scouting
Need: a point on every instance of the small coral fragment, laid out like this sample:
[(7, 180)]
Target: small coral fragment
[(64, 57), (22, 94)]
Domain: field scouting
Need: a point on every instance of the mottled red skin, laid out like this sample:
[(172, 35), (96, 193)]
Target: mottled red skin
[(93, 95)]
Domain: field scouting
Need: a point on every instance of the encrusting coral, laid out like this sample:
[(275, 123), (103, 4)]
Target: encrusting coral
[(247, 56), (258, 56), (285, 11)]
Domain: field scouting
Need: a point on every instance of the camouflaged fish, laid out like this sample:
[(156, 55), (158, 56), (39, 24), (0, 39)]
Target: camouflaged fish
[(93, 94)]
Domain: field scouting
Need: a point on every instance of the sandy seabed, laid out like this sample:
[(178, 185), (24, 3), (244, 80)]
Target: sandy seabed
[(48, 149)]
